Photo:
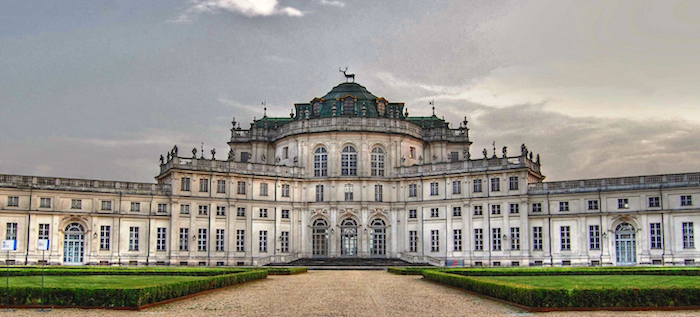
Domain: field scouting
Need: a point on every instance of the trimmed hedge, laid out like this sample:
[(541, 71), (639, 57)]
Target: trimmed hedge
[(409, 270), (62, 271), (528, 271), (555, 297), (127, 298), (286, 270)]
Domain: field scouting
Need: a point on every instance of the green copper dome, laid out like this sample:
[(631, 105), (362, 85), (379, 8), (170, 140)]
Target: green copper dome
[(354, 89)]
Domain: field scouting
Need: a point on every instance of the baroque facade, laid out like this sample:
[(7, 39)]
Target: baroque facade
[(350, 174)]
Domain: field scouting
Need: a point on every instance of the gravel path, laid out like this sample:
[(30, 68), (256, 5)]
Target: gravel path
[(335, 293)]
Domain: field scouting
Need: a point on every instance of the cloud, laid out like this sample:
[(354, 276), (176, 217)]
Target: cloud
[(332, 3), (250, 8)]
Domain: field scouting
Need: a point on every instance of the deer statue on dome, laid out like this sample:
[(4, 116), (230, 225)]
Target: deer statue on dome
[(347, 76)]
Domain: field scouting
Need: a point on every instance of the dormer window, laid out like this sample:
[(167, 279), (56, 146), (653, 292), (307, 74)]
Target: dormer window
[(316, 108), (381, 108), (349, 106)]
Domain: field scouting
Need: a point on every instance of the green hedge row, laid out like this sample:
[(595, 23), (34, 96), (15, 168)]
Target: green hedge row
[(409, 270), (123, 271), (539, 297), (131, 298), (285, 270), (575, 271)]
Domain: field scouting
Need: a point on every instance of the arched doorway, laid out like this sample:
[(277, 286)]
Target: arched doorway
[(348, 238), (74, 244), (377, 245), (319, 238), (625, 244)]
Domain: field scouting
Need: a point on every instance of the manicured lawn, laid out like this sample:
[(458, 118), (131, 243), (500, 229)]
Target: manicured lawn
[(96, 281), (597, 281)]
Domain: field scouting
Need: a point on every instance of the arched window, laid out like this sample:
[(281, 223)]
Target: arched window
[(377, 246), (320, 223), (377, 223), (320, 162), (348, 161), (377, 161), (349, 106)]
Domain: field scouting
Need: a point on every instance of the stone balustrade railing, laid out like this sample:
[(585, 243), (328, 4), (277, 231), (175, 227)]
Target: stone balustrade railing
[(480, 165), (232, 167), (616, 183), (72, 184)]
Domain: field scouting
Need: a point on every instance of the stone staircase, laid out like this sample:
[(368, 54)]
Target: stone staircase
[(348, 262)]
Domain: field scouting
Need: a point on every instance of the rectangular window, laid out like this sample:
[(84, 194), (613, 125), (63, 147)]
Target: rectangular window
[(263, 240), (478, 239), (240, 188), (11, 233), (220, 236), (44, 231), (349, 192), (515, 238), (686, 200), (412, 214), (496, 238), (285, 214), (45, 203), (263, 212), (285, 152), (413, 241), (160, 239), (688, 235), (221, 210), (221, 186), (412, 190), (434, 189), (203, 210), (285, 190), (378, 191), (537, 238), (536, 207), (185, 209), (76, 204), (593, 205), (240, 240), (513, 183), (284, 242), (105, 237), (162, 208), (458, 239), (594, 237), (202, 239), (477, 186), (456, 187), (563, 206), (434, 212), (654, 202), (204, 185), (245, 157), (133, 238), (495, 209), (655, 235), (135, 206), (12, 201), (514, 208), (456, 211), (106, 205), (240, 212), (263, 189), (319, 193), (565, 234), (184, 239), (623, 203), (185, 184), (495, 184), (454, 156), (412, 152), (434, 240), (478, 210)]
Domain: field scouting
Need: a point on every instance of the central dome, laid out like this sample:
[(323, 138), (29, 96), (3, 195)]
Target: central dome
[(354, 89)]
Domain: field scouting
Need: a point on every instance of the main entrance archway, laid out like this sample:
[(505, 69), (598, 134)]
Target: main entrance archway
[(348, 238), (74, 244), (377, 246), (625, 244), (319, 238)]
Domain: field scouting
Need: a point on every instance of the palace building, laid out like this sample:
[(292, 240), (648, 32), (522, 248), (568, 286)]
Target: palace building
[(352, 175)]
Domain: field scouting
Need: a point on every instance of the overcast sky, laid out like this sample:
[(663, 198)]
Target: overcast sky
[(100, 89)]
